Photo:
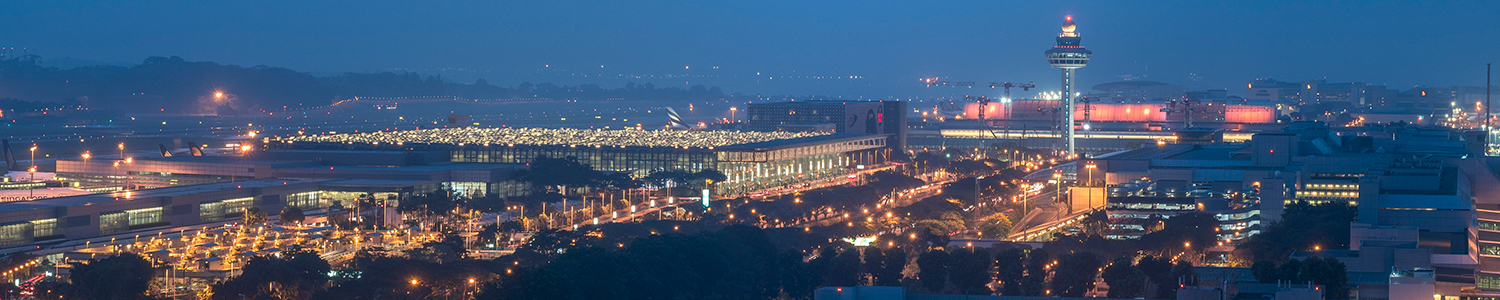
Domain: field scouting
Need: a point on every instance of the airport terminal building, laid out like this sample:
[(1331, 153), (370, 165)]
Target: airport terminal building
[(751, 160)]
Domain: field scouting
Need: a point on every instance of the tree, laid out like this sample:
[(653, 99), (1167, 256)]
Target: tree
[(1010, 266), (735, 262), (1159, 272), (120, 277), (1075, 272), (842, 266), (1265, 271), (1331, 274), (1182, 271), (1196, 229), (1291, 271), (1302, 227), (440, 202), (995, 226), (970, 271), (1124, 279), (294, 275), (932, 270), (450, 249), (796, 278), (1035, 281), (292, 215), (545, 172), (255, 216), (885, 266)]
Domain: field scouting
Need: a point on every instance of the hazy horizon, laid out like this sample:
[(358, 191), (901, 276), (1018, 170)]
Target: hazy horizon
[(796, 48)]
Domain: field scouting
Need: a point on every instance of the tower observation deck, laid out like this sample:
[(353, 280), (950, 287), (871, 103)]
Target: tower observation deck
[(1068, 55)]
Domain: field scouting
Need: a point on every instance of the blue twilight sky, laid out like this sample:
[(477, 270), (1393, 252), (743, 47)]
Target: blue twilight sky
[(796, 47)]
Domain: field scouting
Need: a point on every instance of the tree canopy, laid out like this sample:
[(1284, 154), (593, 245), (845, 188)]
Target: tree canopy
[(120, 277), (1302, 227)]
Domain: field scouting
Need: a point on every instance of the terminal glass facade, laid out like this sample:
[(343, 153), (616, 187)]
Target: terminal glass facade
[(15, 233), (124, 220), (306, 200), (640, 161), (44, 228), (211, 211)]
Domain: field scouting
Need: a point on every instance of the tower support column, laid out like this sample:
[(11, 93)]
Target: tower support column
[(1067, 107)]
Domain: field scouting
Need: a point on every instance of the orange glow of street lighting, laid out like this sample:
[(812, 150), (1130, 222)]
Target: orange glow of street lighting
[(218, 95)]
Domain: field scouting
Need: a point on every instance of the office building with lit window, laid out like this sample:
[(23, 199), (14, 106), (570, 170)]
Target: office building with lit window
[(1423, 193)]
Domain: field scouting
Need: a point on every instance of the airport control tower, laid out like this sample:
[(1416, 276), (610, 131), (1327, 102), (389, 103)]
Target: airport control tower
[(1068, 55)]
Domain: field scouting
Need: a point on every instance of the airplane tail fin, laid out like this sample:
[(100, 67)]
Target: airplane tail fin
[(674, 120), (164, 151), (10, 158)]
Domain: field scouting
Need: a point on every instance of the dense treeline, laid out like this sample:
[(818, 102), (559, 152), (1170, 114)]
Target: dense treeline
[(1302, 227), (174, 85)]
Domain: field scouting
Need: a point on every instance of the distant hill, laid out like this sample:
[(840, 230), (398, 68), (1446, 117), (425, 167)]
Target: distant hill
[(174, 85)]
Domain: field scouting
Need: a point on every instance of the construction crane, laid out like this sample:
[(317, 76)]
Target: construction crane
[(984, 101), (1087, 100), (1186, 110)]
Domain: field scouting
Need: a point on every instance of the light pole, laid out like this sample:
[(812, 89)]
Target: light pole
[(1025, 196), (1090, 168), (976, 189), (32, 170), (122, 150), (732, 110), (1057, 176)]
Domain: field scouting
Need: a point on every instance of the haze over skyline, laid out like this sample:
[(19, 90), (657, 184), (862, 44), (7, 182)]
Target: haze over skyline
[(886, 46)]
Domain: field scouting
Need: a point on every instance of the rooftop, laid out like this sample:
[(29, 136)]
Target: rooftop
[(557, 137), (137, 194)]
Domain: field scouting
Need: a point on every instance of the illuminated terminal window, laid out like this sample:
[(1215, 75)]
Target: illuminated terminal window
[(44, 227), (305, 200), (15, 233), (125, 220)]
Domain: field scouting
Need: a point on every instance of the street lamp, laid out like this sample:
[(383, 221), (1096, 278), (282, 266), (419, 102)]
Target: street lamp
[(1090, 168), (32, 190), (731, 113), (86, 156), (122, 150), (1057, 176)]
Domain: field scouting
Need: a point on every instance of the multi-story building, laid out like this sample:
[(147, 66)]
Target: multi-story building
[(1417, 189), (1135, 206), (79, 218)]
